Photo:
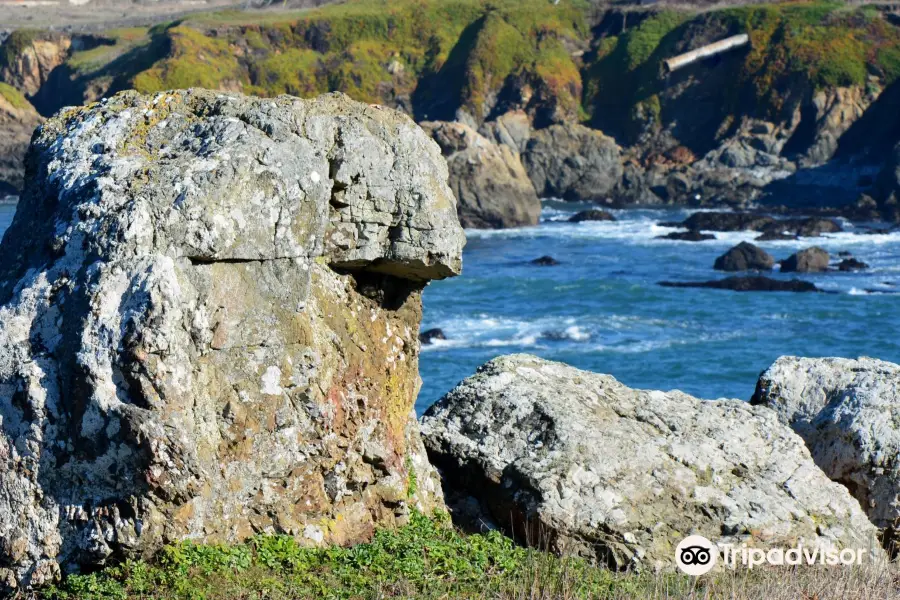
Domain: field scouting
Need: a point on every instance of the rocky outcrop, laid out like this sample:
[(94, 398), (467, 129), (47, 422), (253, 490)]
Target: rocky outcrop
[(745, 257), (573, 162), (17, 122), (28, 58), (847, 412), (810, 260), (888, 186), (755, 283), (209, 309), (491, 186), (581, 463), (852, 264), (512, 129)]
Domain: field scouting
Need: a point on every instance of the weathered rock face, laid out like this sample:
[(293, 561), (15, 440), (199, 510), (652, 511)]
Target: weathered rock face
[(745, 257), (572, 162), (17, 122), (810, 260), (209, 312), (622, 475), (888, 186), (488, 179), (847, 411), (32, 58)]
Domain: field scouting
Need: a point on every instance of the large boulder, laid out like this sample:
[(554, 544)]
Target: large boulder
[(848, 411), (745, 257), (17, 122), (810, 260), (580, 462), (209, 308), (488, 179), (573, 162)]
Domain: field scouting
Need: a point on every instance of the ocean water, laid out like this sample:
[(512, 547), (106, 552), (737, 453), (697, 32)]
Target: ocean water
[(601, 308)]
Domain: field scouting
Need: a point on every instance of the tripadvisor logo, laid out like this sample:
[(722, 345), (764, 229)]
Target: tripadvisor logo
[(696, 555)]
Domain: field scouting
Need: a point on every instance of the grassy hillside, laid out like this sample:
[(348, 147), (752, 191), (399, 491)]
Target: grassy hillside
[(433, 57)]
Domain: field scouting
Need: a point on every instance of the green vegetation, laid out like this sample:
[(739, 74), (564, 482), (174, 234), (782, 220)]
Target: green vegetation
[(15, 44), (424, 559), (114, 44), (195, 60), (14, 97), (427, 559), (436, 56), (794, 45)]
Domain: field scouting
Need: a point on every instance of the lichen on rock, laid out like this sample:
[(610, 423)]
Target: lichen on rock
[(578, 462), (208, 326)]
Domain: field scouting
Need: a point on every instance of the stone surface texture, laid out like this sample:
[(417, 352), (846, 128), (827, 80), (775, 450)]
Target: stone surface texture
[(491, 186), (848, 412), (588, 466), (209, 309)]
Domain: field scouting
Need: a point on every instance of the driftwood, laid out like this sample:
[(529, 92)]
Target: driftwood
[(682, 60)]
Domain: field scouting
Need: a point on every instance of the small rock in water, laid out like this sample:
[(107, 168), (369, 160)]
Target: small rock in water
[(811, 260), (845, 254), (592, 215), (775, 236), (745, 257), (852, 264), (727, 221), (428, 337), (747, 284), (545, 261), (691, 235)]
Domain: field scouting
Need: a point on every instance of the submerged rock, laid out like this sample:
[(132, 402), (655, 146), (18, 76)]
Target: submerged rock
[(745, 257), (687, 236), (775, 236), (585, 465), (208, 315), (802, 227), (852, 264), (848, 412), (572, 162), (489, 181), (545, 261), (747, 284), (727, 221), (592, 215), (810, 260)]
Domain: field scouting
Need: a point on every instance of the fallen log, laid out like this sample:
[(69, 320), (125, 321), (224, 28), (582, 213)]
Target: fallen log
[(682, 60)]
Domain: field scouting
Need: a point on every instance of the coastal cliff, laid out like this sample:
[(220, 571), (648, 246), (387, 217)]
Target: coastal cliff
[(795, 108)]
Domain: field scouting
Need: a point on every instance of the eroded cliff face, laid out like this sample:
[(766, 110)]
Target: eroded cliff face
[(209, 326), (17, 122), (802, 96)]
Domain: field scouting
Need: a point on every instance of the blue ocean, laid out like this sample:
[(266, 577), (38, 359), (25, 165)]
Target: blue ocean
[(602, 309)]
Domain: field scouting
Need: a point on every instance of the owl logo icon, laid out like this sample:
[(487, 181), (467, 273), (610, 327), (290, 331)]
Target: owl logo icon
[(696, 555)]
